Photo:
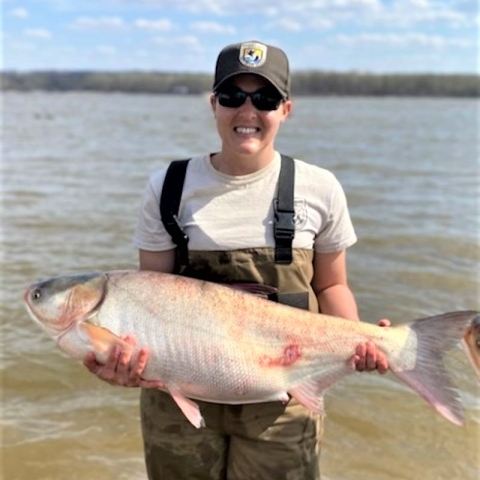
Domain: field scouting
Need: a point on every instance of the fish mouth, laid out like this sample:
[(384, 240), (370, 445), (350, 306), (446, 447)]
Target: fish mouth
[(27, 296), (50, 329)]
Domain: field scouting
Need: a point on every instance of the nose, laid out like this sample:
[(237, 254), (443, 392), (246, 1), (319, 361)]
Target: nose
[(248, 106)]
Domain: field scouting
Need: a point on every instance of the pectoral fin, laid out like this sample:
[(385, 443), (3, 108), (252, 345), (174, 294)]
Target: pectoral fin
[(101, 339), (189, 408), (310, 396)]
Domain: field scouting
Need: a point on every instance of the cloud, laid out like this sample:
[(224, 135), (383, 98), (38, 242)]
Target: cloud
[(405, 13), (86, 23), (213, 27), (197, 6), (345, 4), (394, 14), (184, 44), (251, 8), (330, 7), (162, 24), (286, 24), (19, 13), (38, 33), (406, 39)]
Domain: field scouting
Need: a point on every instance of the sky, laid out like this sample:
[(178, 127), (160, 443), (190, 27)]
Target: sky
[(377, 36)]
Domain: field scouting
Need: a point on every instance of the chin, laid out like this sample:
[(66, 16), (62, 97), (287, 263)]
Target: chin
[(248, 148)]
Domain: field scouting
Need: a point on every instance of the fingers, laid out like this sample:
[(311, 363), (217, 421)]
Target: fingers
[(130, 339), (352, 361), (122, 367), (367, 353), (360, 360), (101, 371), (368, 358), (382, 363), (140, 364), (130, 369), (371, 357), (384, 322), (134, 369), (91, 363)]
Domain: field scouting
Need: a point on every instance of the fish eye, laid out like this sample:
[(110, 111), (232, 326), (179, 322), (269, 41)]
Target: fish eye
[(36, 294)]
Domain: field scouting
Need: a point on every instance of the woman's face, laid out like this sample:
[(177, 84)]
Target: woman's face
[(246, 130)]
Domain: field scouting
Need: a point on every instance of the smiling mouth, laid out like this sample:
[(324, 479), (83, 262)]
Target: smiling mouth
[(246, 130)]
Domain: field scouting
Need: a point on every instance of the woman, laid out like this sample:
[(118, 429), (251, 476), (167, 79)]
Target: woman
[(237, 209)]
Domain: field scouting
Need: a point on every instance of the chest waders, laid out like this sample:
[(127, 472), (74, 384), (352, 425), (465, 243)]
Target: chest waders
[(287, 269), (261, 441)]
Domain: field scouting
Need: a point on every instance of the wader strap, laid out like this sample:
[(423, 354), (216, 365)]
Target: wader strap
[(284, 223), (170, 204), (283, 227)]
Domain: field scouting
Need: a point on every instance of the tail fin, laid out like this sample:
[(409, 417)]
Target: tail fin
[(429, 377)]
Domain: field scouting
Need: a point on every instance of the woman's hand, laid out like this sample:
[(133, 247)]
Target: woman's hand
[(122, 367), (368, 357)]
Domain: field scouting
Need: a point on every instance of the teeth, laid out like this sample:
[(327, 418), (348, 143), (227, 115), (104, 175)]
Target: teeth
[(246, 130)]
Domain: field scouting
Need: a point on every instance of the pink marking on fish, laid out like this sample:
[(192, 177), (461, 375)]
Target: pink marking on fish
[(291, 354)]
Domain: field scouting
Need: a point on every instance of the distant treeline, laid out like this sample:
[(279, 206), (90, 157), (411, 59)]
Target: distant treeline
[(303, 83)]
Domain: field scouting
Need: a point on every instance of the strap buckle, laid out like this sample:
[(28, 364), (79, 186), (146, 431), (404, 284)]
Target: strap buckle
[(284, 225)]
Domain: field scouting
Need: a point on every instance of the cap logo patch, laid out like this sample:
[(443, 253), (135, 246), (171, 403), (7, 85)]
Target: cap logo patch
[(253, 54)]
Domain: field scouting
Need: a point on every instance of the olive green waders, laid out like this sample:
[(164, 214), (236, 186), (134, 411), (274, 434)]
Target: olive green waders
[(240, 442)]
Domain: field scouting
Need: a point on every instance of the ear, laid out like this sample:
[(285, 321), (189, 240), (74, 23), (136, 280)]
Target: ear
[(213, 103), (286, 109)]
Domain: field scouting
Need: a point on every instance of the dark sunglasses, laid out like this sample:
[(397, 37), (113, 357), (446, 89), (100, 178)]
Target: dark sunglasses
[(264, 99)]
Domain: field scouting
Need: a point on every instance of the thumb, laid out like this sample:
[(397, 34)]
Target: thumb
[(384, 322)]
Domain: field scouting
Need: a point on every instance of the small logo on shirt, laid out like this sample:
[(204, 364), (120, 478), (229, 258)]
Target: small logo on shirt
[(300, 207)]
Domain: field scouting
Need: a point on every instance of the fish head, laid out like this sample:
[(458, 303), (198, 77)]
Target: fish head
[(60, 302), (471, 344)]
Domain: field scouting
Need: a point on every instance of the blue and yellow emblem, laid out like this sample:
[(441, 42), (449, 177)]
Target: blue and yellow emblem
[(253, 54)]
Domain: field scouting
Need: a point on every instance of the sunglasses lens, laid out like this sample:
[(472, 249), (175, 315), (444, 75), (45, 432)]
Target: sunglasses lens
[(263, 99), (233, 99)]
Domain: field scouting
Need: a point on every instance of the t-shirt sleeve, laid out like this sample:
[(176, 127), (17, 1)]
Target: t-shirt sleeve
[(337, 232), (150, 234)]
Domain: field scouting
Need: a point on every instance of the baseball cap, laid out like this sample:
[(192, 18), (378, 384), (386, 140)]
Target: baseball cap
[(254, 57)]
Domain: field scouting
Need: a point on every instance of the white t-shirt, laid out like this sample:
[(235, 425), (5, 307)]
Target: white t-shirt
[(224, 212)]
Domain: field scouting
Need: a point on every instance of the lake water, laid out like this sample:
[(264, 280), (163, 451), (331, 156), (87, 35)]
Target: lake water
[(73, 169)]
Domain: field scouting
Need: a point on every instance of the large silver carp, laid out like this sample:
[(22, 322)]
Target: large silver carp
[(214, 343)]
